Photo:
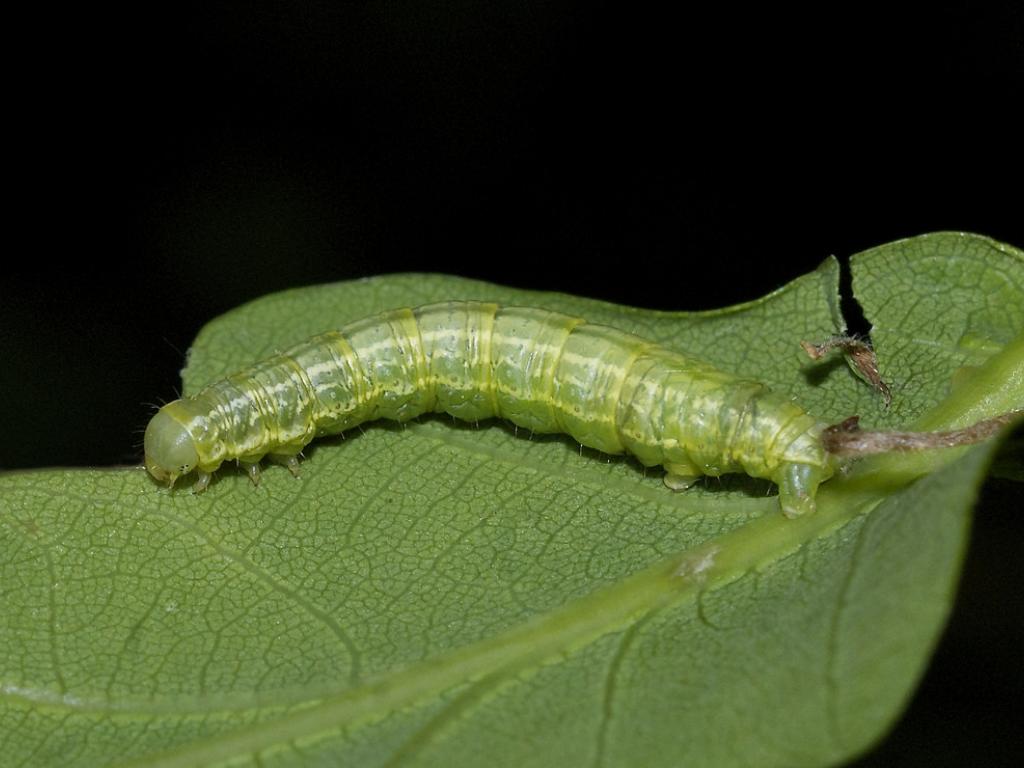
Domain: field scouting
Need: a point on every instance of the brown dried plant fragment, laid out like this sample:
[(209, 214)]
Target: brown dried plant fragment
[(859, 353), (848, 439)]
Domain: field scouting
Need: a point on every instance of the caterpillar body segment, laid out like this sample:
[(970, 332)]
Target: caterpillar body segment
[(541, 370)]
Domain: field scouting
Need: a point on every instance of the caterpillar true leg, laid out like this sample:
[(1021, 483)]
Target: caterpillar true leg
[(202, 481), (252, 469), (290, 462)]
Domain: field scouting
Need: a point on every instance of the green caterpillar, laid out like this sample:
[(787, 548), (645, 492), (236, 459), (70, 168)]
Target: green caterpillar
[(541, 370)]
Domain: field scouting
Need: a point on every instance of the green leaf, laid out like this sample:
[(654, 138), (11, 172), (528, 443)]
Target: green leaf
[(459, 595)]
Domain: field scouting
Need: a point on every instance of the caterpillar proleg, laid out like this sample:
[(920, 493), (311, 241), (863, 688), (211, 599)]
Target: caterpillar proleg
[(543, 371)]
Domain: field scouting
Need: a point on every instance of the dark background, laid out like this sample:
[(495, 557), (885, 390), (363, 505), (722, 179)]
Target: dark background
[(168, 165)]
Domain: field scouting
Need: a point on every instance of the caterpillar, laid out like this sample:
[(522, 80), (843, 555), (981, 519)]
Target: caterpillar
[(541, 370)]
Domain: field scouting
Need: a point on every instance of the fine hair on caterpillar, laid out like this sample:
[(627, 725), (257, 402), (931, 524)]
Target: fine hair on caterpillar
[(544, 371)]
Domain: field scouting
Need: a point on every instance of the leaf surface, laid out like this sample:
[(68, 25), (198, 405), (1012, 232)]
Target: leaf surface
[(460, 595)]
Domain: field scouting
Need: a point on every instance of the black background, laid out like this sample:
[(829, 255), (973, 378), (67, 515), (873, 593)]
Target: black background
[(168, 165)]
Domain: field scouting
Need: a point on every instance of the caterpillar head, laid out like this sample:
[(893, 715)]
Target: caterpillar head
[(170, 449)]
